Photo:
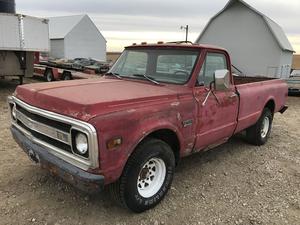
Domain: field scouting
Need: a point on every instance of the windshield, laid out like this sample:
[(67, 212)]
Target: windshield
[(170, 66)]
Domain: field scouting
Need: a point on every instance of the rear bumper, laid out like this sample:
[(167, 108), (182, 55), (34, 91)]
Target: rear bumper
[(294, 91), (85, 181)]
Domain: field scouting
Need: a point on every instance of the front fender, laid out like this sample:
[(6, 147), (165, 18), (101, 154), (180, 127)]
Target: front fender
[(132, 126)]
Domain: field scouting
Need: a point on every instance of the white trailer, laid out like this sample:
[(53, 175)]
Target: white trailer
[(20, 37)]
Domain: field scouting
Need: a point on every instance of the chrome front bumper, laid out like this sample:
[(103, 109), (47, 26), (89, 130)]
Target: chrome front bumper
[(85, 181)]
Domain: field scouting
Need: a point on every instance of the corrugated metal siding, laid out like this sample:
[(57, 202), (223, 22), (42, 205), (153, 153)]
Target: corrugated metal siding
[(33, 36), (36, 34), (253, 48), (60, 26), (9, 35), (85, 40), (276, 30), (285, 64), (279, 35), (57, 48)]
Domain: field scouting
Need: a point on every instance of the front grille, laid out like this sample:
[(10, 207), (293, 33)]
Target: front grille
[(52, 123), (52, 132), (46, 139)]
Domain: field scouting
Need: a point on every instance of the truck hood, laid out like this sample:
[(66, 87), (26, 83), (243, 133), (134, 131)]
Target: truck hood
[(85, 99)]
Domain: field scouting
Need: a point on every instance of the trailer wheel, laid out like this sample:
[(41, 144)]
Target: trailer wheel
[(147, 176), (49, 75), (67, 76), (259, 133)]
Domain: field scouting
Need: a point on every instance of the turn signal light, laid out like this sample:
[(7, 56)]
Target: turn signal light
[(114, 143)]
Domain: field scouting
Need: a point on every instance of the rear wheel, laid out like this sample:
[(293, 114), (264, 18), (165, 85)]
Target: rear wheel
[(259, 133), (67, 76), (147, 176)]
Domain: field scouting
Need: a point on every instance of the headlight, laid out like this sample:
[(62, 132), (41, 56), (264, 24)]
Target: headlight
[(81, 142)]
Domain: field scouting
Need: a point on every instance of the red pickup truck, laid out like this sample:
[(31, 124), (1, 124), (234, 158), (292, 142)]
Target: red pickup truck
[(129, 129)]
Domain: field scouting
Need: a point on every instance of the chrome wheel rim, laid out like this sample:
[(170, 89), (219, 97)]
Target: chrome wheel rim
[(265, 127), (151, 177)]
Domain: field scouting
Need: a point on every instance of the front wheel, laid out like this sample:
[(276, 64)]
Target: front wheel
[(49, 75), (259, 133), (147, 176)]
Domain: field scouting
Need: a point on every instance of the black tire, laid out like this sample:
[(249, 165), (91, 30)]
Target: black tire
[(255, 134), (49, 75), (67, 76), (126, 190)]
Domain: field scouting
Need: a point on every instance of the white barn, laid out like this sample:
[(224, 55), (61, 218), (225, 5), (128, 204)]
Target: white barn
[(258, 45), (76, 37)]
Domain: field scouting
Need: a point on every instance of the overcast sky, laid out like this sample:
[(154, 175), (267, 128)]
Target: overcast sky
[(123, 22)]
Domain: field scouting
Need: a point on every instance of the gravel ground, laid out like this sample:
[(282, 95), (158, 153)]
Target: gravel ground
[(235, 183)]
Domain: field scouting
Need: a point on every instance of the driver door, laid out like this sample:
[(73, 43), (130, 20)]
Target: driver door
[(216, 117)]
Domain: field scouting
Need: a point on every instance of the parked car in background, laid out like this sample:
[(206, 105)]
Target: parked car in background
[(129, 129), (98, 67), (295, 73), (294, 85), (80, 63)]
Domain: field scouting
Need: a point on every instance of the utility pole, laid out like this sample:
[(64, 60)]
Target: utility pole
[(186, 28)]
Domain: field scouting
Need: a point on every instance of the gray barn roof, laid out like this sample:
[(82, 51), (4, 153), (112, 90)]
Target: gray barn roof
[(275, 29), (60, 26)]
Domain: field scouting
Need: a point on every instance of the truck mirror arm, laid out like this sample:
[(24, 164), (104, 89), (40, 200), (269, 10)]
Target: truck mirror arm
[(209, 93)]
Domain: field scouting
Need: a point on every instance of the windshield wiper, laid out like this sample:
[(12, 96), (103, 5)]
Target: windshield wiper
[(114, 74), (147, 78)]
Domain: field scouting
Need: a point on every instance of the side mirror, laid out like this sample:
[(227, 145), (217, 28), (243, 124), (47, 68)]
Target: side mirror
[(222, 80)]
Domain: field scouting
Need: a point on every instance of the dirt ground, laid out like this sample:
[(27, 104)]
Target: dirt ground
[(235, 183)]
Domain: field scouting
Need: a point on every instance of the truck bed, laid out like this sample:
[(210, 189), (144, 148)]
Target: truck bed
[(245, 80), (255, 93)]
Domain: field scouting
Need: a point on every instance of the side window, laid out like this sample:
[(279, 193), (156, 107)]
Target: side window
[(213, 62)]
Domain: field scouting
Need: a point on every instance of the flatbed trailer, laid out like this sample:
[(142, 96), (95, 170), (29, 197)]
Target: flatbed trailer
[(55, 74)]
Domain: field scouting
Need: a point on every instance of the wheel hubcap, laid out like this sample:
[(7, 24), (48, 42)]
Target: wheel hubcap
[(151, 177), (265, 127)]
